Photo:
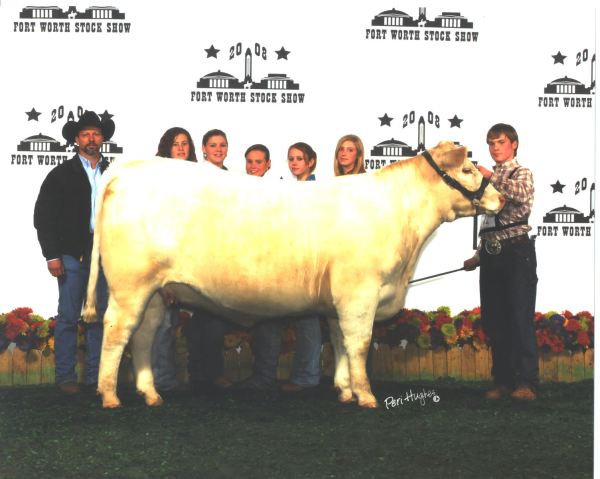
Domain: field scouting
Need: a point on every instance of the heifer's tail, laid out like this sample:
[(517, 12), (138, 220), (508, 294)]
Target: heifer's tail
[(90, 314)]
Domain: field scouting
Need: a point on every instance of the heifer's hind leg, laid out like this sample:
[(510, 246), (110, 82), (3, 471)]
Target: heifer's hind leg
[(341, 379), (118, 323), (141, 347)]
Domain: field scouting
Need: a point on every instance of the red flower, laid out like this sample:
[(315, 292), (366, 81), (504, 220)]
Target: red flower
[(22, 313), (583, 339), (481, 335), (14, 326), (572, 325), (585, 314), (441, 320)]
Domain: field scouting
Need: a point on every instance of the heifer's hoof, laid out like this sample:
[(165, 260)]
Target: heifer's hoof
[(346, 397), (154, 400), (368, 401), (111, 403)]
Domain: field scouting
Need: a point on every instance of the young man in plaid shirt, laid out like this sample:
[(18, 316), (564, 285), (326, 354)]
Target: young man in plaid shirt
[(508, 278)]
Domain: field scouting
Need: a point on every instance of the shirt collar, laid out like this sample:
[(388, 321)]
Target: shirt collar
[(507, 165), (87, 164)]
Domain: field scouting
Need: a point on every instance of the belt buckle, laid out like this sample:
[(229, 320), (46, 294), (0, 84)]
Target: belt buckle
[(493, 247)]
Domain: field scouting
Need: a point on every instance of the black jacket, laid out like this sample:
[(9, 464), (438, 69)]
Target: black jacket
[(63, 208)]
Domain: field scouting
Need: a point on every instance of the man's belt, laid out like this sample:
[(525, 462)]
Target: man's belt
[(495, 247)]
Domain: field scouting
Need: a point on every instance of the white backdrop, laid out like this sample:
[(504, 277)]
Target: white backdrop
[(352, 76)]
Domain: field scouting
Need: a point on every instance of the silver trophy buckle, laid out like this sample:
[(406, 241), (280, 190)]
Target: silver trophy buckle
[(493, 247)]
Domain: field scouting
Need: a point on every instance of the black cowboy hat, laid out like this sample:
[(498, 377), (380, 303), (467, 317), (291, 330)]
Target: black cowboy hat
[(88, 119)]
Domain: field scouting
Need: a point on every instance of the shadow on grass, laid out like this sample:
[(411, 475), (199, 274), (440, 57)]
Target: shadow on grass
[(433, 429)]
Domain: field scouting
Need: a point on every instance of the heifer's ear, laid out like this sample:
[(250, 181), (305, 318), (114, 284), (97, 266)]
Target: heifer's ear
[(455, 157)]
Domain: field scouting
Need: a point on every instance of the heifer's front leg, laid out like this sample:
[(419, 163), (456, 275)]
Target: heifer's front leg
[(118, 324), (356, 324), (341, 379), (141, 349)]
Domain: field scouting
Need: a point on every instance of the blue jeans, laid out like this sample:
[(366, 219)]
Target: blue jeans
[(266, 346), (71, 294), (163, 352)]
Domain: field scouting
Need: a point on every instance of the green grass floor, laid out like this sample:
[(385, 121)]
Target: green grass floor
[(452, 433)]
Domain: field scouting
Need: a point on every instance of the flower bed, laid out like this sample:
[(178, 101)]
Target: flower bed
[(556, 332)]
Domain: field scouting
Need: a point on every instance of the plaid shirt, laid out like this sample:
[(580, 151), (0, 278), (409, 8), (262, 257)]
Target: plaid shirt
[(518, 192)]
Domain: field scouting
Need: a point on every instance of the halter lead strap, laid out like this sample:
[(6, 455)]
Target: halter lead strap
[(473, 196)]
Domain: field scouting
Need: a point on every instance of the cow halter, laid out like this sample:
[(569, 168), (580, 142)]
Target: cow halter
[(473, 196)]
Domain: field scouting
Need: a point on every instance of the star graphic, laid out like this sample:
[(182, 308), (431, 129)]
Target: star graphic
[(456, 121), (557, 187), (32, 115), (385, 120), (559, 58), (211, 52), (106, 116), (282, 53)]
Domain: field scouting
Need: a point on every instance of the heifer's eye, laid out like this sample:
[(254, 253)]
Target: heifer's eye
[(467, 171)]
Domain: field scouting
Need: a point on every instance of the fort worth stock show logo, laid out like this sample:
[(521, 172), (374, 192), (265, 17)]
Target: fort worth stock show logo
[(564, 220), (393, 149), (43, 150), (396, 25), (224, 87), (568, 92), (52, 19)]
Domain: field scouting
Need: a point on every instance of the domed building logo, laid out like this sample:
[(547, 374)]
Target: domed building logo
[(568, 92), (565, 220), (52, 19), (45, 150), (390, 150), (223, 87), (445, 27)]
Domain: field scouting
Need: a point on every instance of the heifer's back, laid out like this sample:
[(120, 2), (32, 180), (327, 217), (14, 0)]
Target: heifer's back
[(248, 247)]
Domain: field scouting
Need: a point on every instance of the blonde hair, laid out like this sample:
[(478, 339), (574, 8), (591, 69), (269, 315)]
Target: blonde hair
[(359, 166)]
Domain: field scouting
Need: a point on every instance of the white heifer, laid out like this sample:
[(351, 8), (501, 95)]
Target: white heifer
[(249, 249)]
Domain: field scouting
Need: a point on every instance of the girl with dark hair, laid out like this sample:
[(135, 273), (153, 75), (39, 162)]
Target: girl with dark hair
[(177, 143)]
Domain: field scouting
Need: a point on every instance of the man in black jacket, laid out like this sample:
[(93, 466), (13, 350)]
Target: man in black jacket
[(64, 218)]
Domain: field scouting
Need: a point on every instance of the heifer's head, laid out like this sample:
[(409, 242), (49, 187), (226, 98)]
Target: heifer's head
[(468, 191)]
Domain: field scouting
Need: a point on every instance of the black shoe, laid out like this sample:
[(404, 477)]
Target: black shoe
[(296, 389), (211, 388), (172, 391), (252, 385), (91, 388)]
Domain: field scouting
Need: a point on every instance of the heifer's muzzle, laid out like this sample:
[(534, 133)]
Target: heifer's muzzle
[(473, 196)]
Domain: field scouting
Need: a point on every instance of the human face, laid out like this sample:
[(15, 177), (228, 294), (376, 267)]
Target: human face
[(256, 163), (501, 148), (347, 156), (215, 150), (90, 141), (180, 149), (298, 165)]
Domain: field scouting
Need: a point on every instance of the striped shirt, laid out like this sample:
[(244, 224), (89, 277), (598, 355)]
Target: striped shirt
[(516, 185)]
